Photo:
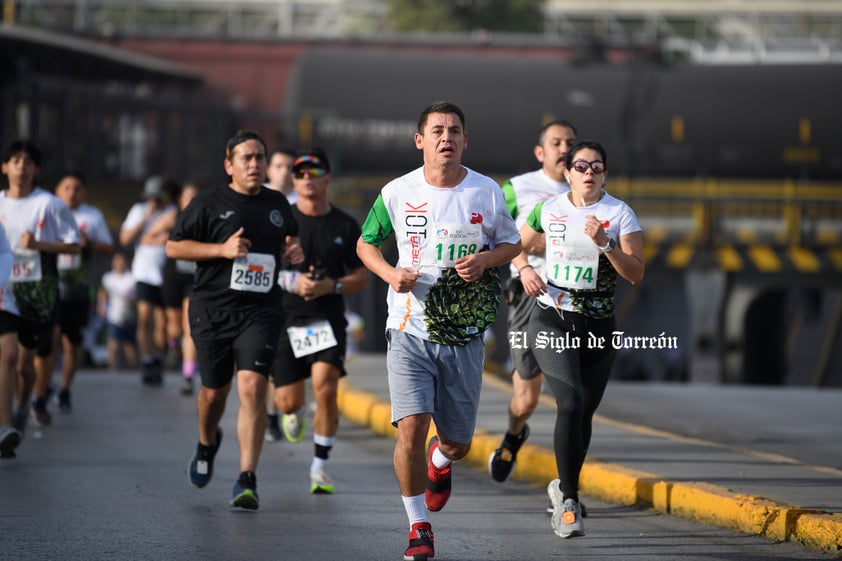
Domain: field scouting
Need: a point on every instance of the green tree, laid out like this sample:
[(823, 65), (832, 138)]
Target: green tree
[(467, 15)]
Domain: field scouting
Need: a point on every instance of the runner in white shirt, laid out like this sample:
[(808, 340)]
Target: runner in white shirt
[(592, 239), (147, 270), (522, 193), (74, 306), (452, 230), (39, 226)]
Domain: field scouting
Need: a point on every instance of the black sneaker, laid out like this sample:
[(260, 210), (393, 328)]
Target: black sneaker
[(501, 463), (152, 372), (9, 440), (63, 400), (186, 385), (273, 428), (245, 492), (40, 416), (200, 469)]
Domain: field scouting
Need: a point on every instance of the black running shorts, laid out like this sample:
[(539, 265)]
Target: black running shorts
[(225, 340)]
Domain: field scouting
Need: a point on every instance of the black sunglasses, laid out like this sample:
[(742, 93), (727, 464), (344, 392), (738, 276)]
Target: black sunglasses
[(582, 166)]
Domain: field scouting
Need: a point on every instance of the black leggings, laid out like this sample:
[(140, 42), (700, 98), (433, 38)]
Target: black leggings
[(577, 378)]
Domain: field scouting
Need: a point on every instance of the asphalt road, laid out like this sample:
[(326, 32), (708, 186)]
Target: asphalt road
[(108, 481)]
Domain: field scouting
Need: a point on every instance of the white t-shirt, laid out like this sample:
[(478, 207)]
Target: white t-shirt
[(148, 261), (49, 219), (92, 223), (73, 268), (433, 227), (120, 309), (522, 193), (579, 278)]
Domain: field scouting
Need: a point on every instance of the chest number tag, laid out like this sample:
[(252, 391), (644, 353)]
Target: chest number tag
[(26, 267), (308, 339), (69, 261), (253, 273), (454, 241), (573, 267)]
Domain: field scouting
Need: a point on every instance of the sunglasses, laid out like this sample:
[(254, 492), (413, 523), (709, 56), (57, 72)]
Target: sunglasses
[(582, 166), (309, 173)]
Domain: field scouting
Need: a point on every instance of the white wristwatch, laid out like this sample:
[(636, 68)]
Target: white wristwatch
[(609, 247)]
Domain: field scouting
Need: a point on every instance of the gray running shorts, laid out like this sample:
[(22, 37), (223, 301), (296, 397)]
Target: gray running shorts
[(523, 359), (445, 380)]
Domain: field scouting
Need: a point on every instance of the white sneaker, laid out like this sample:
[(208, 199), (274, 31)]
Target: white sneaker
[(567, 514), (293, 425), (320, 483)]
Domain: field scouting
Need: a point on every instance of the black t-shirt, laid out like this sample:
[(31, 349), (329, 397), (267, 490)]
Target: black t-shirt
[(330, 246), (213, 217)]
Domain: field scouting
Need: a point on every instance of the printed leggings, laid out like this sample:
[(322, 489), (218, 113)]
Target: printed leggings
[(577, 376)]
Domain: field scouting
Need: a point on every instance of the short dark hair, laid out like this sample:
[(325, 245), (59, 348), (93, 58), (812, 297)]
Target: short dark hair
[(440, 107), (285, 150), (75, 174), (171, 187), (240, 137), (582, 145), (26, 146), (555, 122)]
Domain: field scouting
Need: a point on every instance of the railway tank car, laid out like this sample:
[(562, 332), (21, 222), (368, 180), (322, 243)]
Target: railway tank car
[(656, 119)]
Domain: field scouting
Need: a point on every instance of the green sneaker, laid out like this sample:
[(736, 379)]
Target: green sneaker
[(320, 483), (245, 492), (294, 426)]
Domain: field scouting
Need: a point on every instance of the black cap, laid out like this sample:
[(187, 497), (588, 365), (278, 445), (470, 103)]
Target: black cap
[(314, 158)]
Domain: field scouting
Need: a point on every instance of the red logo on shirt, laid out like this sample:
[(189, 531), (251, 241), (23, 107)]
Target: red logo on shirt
[(476, 218), (606, 224)]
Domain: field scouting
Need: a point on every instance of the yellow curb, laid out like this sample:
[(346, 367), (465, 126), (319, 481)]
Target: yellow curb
[(700, 502)]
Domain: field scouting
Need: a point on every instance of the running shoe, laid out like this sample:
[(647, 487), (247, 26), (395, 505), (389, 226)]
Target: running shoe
[(550, 509), (294, 426), (9, 440), (420, 543), (273, 428), (567, 514), (200, 469), (40, 416), (19, 418), (63, 401), (438, 480), (245, 492), (320, 483), (501, 463), (152, 372), (186, 385)]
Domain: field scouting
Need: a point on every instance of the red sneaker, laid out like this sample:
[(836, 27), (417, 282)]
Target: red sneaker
[(438, 480), (420, 543)]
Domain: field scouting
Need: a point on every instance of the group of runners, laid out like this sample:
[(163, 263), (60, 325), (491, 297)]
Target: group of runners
[(266, 306)]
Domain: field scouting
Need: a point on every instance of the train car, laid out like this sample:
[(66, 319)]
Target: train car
[(656, 119)]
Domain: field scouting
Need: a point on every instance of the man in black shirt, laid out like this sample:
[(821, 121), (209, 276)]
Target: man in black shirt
[(238, 234), (313, 342)]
